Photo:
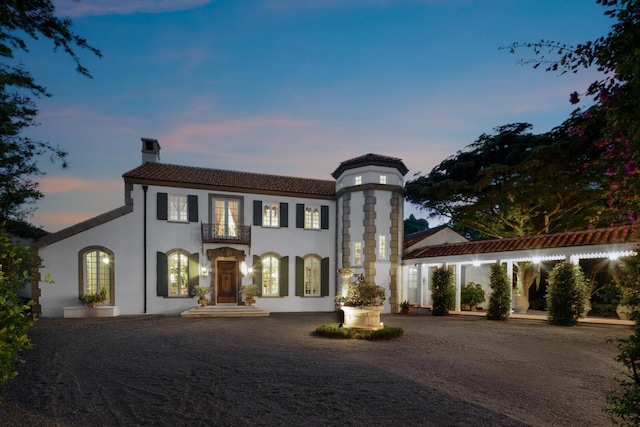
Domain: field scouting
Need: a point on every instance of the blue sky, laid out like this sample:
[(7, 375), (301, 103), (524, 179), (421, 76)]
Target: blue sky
[(290, 87)]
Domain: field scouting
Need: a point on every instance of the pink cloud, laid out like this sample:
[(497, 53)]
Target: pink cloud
[(67, 184), (73, 9)]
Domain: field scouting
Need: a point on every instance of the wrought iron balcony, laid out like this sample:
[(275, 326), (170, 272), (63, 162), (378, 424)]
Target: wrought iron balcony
[(223, 233)]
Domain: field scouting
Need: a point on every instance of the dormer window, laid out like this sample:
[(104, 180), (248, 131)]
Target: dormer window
[(357, 180), (383, 179)]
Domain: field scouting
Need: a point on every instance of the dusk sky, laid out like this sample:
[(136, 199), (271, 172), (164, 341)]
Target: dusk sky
[(290, 87)]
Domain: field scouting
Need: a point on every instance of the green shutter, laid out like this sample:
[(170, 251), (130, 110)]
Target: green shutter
[(257, 212), (257, 272), (324, 217), (324, 277), (284, 214), (162, 274), (284, 276), (299, 215), (161, 206), (194, 271), (192, 207), (299, 276)]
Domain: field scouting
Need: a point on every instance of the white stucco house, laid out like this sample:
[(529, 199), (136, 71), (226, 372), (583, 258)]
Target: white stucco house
[(182, 226)]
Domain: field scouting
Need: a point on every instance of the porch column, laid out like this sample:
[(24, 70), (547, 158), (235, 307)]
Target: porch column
[(458, 278)]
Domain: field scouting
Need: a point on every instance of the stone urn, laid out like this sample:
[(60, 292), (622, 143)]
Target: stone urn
[(203, 302), (522, 304), (624, 312), (363, 317)]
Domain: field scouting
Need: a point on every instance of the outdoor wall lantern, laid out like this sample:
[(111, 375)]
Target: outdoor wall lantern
[(205, 268)]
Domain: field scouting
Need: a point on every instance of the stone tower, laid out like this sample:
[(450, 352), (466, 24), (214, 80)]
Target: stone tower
[(370, 213)]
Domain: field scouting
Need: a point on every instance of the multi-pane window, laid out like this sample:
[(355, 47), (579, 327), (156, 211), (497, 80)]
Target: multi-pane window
[(383, 179), (312, 217), (97, 272), (357, 180), (412, 280), (311, 276), (270, 276), (357, 253), (270, 215), (382, 247), (178, 274), (178, 207), (226, 217)]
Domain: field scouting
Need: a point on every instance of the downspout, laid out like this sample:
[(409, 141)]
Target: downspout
[(144, 254)]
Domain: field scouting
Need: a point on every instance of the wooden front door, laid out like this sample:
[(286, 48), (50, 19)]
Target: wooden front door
[(227, 281)]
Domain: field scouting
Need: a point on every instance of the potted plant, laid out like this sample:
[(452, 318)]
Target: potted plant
[(201, 292), (249, 292), (94, 298), (362, 305), (471, 295), (404, 307)]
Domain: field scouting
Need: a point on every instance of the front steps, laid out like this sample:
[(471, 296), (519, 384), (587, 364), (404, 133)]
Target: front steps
[(225, 311)]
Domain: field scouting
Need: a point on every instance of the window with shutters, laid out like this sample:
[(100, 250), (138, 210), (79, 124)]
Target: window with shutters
[(178, 263), (312, 217), (311, 276), (177, 207), (270, 214), (270, 276)]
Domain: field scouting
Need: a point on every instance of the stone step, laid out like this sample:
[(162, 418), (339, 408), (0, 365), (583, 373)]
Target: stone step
[(225, 311)]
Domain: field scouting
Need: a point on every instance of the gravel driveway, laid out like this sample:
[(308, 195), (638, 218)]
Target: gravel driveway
[(445, 371)]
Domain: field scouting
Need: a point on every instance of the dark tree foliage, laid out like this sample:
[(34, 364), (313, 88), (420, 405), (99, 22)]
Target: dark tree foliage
[(413, 224), (516, 183), (21, 20)]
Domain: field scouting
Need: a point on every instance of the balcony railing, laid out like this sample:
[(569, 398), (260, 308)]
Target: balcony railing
[(220, 233)]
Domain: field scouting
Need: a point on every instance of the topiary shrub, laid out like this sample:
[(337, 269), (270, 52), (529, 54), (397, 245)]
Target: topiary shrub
[(443, 293), (567, 291), (471, 295), (500, 298)]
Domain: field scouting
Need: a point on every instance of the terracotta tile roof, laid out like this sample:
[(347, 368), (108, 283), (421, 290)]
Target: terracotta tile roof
[(600, 236), (413, 238), (165, 174), (371, 159)]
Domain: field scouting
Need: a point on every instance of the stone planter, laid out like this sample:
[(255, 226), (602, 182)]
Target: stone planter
[(364, 317), (624, 312), (522, 304)]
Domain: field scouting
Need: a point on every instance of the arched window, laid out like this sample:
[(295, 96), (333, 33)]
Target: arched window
[(178, 263), (311, 276), (96, 272), (270, 276)]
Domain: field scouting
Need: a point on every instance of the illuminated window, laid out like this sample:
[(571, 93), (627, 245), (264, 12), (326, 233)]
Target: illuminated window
[(312, 217), (270, 215), (97, 272), (227, 217), (270, 276), (178, 274), (178, 207), (383, 179), (412, 284), (357, 180), (311, 276), (357, 253), (382, 247)]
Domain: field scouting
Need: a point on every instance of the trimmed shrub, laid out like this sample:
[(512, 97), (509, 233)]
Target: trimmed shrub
[(443, 292), (334, 330), (567, 291), (500, 298)]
